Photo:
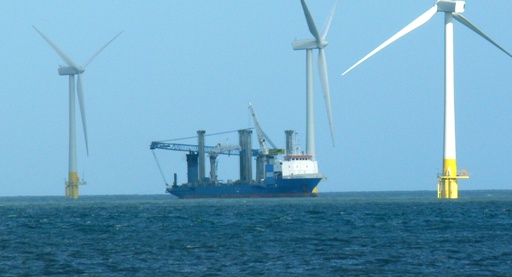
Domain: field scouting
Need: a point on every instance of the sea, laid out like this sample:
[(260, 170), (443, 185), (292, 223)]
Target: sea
[(334, 234)]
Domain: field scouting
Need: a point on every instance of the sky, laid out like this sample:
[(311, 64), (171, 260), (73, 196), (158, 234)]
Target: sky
[(182, 66)]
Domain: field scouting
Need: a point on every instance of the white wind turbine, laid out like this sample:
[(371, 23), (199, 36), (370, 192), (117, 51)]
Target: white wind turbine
[(71, 70), (447, 186), (319, 43)]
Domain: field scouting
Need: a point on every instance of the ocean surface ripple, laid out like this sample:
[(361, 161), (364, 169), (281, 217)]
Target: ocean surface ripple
[(335, 234)]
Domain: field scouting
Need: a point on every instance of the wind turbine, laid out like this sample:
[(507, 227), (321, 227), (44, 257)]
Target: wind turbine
[(71, 70), (447, 185), (319, 43)]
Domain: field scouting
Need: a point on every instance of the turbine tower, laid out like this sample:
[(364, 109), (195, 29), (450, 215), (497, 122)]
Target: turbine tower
[(319, 43), (447, 184), (71, 70)]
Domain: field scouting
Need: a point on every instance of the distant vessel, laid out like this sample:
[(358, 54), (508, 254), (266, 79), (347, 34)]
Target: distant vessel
[(295, 176)]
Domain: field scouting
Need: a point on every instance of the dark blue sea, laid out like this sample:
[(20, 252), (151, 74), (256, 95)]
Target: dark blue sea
[(335, 234)]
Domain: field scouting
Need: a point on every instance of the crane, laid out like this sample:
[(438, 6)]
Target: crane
[(233, 150), (214, 152), (263, 138)]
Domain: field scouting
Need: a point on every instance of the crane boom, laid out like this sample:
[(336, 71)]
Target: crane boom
[(234, 150), (259, 132), (224, 149), (263, 138)]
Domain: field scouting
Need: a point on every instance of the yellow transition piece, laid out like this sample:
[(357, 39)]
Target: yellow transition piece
[(447, 185)]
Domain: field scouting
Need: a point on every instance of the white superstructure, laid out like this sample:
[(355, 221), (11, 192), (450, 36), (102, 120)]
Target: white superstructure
[(298, 165)]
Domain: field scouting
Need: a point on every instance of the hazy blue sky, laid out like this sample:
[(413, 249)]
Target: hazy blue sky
[(181, 66)]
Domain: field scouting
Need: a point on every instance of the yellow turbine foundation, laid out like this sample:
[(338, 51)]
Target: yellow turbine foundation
[(72, 185), (447, 186)]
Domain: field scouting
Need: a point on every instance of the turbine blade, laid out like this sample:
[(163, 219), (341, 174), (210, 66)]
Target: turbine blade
[(81, 101), (101, 49), (468, 24), (327, 24), (422, 19), (309, 19), (324, 78), (66, 59)]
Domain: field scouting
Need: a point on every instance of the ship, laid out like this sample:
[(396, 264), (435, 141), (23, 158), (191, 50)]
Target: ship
[(279, 172), (294, 175)]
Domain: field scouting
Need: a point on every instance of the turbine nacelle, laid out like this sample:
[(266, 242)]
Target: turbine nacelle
[(67, 70), (304, 44), (450, 6)]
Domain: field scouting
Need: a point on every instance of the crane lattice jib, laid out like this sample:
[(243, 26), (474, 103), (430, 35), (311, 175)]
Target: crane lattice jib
[(262, 137), (195, 148)]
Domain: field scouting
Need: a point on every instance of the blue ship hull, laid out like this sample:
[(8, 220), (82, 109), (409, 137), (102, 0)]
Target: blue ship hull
[(294, 187)]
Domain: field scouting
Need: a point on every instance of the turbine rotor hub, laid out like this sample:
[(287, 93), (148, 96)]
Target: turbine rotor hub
[(322, 44)]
